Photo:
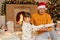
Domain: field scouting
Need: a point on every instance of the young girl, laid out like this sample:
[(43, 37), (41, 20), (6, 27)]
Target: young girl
[(26, 27)]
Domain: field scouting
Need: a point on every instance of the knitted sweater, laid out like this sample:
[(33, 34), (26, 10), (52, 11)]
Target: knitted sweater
[(39, 19)]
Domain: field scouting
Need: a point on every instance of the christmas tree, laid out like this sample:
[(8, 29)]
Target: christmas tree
[(54, 10)]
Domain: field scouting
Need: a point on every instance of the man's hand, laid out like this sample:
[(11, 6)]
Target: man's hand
[(44, 29)]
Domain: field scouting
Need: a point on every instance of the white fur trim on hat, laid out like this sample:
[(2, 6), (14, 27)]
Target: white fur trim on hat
[(42, 6)]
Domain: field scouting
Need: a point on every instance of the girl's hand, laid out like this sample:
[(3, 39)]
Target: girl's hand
[(44, 29)]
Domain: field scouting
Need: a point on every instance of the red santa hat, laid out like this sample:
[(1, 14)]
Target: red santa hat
[(41, 5)]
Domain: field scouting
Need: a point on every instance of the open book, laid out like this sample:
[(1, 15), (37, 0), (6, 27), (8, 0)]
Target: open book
[(42, 26), (35, 28)]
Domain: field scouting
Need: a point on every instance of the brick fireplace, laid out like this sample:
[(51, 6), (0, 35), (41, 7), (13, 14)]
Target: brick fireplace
[(13, 9)]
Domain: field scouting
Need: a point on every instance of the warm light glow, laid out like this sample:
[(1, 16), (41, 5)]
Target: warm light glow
[(21, 19), (0, 39)]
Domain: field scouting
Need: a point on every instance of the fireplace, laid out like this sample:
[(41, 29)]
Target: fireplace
[(12, 11), (19, 18)]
